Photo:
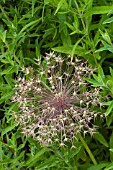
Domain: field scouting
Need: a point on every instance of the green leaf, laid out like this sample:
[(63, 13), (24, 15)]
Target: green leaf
[(68, 50), (111, 71), (109, 120), (6, 97), (6, 160), (109, 109), (47, 164), (101, 73), (99, 10), (110, 166), (70, 26), (106, 47), (10, 70), (48, 32), (95, 77), (109, 20), (21, 145), (66, 39), (98, 136), (16, 161), (107, 103), (8, 129), (60, 4), (34, 159), (97, 55), (29, 25), (75, 47), (93, 82), (111, 150), (98, 167), (110, 84), (111, 146), (3, 36), (73, 153), (106, 37), (33, 4)]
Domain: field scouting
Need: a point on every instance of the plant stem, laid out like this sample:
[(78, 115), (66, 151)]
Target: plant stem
[(87, 149)]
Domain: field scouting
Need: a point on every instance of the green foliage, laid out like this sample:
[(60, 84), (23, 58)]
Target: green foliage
[(28, 29)]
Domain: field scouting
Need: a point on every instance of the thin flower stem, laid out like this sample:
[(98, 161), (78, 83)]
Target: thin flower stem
[(87, 149), (47, 87)]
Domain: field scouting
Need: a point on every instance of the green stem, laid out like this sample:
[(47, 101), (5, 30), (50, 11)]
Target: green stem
[(87, 149), (80, 14)]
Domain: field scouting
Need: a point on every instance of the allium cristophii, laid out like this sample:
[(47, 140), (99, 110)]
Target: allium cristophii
[(55, 102)]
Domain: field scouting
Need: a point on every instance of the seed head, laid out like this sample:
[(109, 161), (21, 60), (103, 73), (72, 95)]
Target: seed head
[(54, 101)]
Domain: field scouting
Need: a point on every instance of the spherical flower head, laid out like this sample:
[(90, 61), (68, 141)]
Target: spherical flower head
[(54, 101)]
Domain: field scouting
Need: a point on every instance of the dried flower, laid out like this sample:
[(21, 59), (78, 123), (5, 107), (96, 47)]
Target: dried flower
[(54, 101)]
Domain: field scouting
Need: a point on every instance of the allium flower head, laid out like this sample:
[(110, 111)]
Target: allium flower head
[(54, 101)]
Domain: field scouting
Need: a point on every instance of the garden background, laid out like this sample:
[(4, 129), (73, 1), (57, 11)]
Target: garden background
[(31, 28)]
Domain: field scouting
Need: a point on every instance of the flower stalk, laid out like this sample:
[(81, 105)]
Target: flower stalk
[(87, 149)]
